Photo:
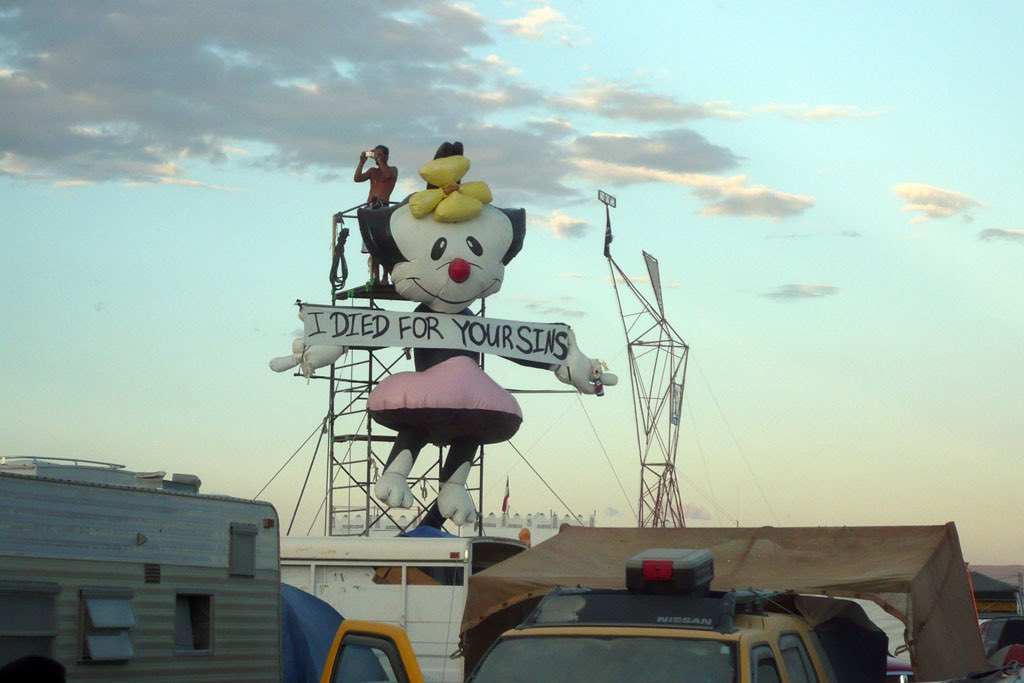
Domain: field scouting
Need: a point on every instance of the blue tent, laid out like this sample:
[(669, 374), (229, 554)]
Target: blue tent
[(308, 625), (426, 531)]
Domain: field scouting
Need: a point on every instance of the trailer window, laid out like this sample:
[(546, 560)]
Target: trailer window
[(107, 620), (440, 576), (29, 625), (242, 549), (419, 576), (193, 624)]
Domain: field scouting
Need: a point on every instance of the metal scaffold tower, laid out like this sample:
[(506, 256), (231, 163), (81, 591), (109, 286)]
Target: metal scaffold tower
[(657, 369), (357, 449)]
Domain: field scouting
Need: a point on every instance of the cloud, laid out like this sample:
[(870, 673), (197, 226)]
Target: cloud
[(558, 306), (934, 202), (632, 278), (148, 94), (725, 196), (790, 292), (568, 227), (1008, 235), (553, 128), (518, 164), (114, 95), (495, 60), (847, 234), (631, 102), (733, 197), (821, 112), (679, 150), (683, 157), (13, 165), (535, 23), (170, 180), (548, 309), (152, 94), (617, 101)]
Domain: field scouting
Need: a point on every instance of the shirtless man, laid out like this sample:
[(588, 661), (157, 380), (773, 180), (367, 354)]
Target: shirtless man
[(382, 179), (382, 182)]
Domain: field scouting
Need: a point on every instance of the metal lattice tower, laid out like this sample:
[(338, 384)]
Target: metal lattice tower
[(657, 369)]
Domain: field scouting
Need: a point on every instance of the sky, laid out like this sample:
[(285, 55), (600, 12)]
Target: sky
[(831, 190)]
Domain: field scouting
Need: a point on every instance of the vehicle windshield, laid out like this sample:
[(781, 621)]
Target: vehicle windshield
[(594, 659)]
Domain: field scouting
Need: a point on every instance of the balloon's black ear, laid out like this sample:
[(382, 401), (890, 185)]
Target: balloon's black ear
[(375, 227), (518, 218), (448, 149)]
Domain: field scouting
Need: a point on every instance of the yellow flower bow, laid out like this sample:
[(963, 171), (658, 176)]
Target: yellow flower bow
[(451, 201)]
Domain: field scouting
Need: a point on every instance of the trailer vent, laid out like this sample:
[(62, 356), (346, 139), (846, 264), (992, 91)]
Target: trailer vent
[(152, 573)]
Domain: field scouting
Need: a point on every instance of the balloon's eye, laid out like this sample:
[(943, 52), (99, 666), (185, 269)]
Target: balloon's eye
[(438, 250)]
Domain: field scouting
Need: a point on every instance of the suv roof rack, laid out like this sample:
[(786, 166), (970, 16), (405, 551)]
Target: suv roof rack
[(713, 611), (665, 587)]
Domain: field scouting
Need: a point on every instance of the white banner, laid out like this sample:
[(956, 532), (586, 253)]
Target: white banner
[(367, 327)]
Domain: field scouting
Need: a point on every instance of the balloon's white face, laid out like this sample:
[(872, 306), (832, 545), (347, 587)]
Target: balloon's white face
[(450, 265)]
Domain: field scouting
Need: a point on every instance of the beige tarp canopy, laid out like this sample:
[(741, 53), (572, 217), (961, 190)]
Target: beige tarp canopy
[(916, 573)]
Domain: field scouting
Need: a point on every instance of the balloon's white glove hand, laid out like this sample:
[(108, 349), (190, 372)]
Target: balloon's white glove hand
[(584, 373), (308, 358)]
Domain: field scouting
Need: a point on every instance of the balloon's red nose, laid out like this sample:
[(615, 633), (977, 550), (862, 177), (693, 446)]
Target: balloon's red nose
[(458, 270)]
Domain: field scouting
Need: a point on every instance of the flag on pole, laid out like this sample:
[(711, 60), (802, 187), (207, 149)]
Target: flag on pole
[(504, 501)]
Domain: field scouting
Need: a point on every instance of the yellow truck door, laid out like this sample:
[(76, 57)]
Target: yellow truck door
[(366, 651)]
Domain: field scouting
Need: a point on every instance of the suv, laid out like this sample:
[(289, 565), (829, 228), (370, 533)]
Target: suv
[(667, 625)]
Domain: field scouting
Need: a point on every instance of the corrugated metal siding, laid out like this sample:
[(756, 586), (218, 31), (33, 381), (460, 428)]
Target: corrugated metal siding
[(246, 610), (246, 630), (48, 518)]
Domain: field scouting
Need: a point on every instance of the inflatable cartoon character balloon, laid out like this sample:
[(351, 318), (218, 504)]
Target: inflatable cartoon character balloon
[(447, 248)]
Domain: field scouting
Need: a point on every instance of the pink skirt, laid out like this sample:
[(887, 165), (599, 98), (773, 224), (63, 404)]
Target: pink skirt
[(450, 401)]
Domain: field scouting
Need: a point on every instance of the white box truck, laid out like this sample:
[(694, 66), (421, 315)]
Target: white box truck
[(418, 584)]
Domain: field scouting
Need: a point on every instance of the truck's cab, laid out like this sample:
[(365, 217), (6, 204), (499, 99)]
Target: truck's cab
[(366, 651), (667, 625)]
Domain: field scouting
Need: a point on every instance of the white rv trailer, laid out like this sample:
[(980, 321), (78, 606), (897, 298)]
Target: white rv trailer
[(139, 578), (418, 584)]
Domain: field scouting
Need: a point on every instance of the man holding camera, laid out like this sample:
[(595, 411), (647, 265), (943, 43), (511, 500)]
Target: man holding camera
[(382, 179), (382, 182)]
